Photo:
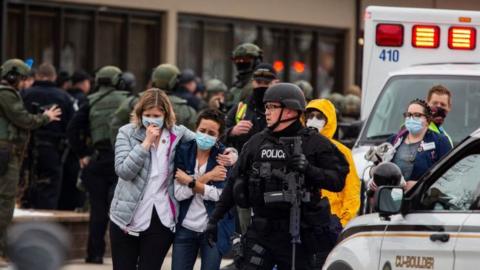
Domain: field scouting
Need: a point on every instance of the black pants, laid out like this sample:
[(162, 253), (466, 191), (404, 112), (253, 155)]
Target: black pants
[(70, 196), (46, 190), (268, 247), (100, 180), (147, 251)]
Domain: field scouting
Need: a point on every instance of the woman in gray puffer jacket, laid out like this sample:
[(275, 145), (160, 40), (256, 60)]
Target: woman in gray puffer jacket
[(144, 210)]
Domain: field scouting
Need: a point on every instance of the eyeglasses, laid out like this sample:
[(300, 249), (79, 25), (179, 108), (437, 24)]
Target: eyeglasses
[(272, 106), (413, 114)]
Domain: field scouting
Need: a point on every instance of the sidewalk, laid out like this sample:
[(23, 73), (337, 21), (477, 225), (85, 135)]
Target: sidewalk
[(80, 265)]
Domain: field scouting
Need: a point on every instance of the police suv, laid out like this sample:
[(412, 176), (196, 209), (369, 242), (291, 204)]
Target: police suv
[(406, 52), (436, 225)]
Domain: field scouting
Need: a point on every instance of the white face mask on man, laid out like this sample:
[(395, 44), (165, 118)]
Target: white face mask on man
[(316, 123)]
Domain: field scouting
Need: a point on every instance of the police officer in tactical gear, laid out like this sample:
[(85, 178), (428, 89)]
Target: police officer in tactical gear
[(165, 77), (91, 123), (246, 57), (248, 118), (15, 124), (48, 143), (268, 240)]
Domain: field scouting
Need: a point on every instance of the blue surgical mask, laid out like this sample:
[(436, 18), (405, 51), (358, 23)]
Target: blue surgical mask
[(413, 125), (157, 121), (205, 141)]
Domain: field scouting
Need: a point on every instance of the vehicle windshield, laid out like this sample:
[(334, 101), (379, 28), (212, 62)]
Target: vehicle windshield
[(386, 117)]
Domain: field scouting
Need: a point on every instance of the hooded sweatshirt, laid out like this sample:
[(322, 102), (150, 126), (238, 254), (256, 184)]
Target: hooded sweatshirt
[(344, 204)]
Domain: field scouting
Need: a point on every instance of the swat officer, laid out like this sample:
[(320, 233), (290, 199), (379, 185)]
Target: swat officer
[(307, 89), (91, 123), (49, 141), (246, 57), (15, 122), (268, 241), (165, 77)]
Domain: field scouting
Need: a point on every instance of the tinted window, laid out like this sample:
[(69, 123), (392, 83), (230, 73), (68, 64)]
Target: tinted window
[(457, 189)]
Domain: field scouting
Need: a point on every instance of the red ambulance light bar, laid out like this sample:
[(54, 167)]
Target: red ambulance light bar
[(425, 36), (389, 35), (462, 38)]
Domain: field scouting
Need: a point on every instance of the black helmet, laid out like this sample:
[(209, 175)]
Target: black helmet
[(287, 94), (387, 174)]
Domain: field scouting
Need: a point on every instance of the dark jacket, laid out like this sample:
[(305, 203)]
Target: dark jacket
[(424, 159), (42, 95), (185, 159), (79, 98), (191, 99), (327, 166), (253, 113)]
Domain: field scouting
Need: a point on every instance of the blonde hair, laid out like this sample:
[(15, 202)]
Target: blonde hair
[(150, 99)]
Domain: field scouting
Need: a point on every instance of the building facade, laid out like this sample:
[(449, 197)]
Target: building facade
[(313, 40)]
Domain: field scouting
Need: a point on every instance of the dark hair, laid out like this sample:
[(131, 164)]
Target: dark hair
[(440, 90), (426, 108), (214, 115)]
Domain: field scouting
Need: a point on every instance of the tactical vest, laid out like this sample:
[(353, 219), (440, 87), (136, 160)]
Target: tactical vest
[(102, 106), (8, 131), (271, 156)]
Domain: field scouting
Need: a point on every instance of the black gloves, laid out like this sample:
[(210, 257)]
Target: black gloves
[(211, 232), (299, 163)]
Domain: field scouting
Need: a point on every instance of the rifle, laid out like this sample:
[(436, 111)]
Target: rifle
[(295, 192)]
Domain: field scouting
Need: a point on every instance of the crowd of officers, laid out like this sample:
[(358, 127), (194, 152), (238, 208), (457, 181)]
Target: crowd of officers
[(57, 138)]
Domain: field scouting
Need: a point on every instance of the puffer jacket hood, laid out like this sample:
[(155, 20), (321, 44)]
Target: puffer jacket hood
[(328, 109)]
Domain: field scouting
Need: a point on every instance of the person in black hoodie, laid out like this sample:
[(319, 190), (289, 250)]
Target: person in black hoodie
[(187, 85), (80, 88)]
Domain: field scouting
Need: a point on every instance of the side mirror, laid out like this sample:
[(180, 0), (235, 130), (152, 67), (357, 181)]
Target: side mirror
[(388, 200)]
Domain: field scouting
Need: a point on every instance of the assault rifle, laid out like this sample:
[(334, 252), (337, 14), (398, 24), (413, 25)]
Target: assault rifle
[(294, 191)]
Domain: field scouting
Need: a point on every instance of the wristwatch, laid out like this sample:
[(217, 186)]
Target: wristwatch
[(192, 184)]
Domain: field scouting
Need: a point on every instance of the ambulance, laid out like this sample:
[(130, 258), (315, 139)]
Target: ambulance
[(406, 52), (436, 225)]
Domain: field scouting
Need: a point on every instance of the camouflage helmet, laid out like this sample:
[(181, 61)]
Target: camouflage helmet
[(215, 85), (247, 50), (165, 76), (15, 67), (351, 105), (337, 100), (306, 88), (108, 75)]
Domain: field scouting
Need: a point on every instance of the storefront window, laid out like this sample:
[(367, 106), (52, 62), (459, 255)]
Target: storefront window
[(74, 52), (109, 41), (326, 69), (13, 33), (217, 63), (40, 45), (274, 50), (141, 46), (300, 64), (189, 45)]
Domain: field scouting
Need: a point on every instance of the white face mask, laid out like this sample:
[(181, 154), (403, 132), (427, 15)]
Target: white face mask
[(316, 123)]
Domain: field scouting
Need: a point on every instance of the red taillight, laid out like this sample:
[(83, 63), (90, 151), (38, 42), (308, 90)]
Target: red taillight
[(425, 36), (389, 35), (462, 38)]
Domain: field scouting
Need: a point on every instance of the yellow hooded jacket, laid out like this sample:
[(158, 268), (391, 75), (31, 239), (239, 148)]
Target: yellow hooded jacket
[(344, 204)]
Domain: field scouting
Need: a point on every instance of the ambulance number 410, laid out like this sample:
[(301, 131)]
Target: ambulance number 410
[(389, 55)]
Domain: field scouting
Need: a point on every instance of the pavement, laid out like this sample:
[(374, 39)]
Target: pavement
[(107, 265)]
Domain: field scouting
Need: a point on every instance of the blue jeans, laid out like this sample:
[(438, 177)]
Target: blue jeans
[(186, 245)]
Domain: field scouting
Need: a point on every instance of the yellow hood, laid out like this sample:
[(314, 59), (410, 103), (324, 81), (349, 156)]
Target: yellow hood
[(328, 109)]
